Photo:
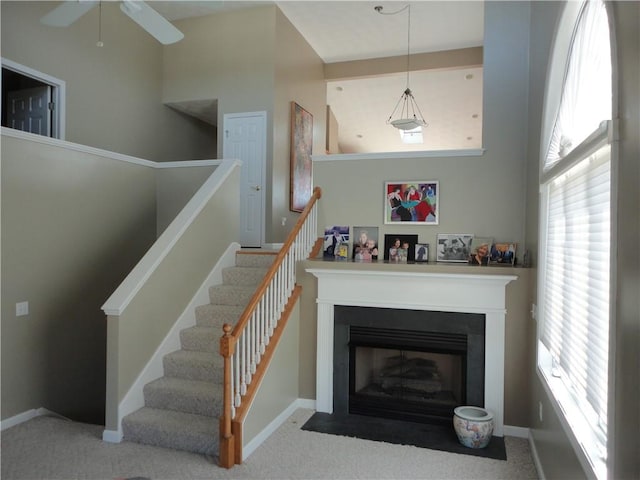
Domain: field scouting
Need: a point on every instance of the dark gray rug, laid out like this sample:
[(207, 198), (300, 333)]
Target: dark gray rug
[(435, 437)]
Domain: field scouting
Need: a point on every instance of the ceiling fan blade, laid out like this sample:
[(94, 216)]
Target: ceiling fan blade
[(68, 12), (154, 23)]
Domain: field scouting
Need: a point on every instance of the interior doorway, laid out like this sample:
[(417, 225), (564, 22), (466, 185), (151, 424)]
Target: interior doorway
[(32, 101), (245, 138)]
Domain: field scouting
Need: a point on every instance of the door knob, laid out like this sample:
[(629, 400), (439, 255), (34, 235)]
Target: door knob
[(257, 187)]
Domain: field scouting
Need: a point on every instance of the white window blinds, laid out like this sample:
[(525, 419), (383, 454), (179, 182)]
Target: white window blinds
[(576, 306), (586, 92), (575, 238)]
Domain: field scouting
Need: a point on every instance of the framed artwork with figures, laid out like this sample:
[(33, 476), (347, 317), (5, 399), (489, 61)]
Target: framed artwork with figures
[(412, 202)]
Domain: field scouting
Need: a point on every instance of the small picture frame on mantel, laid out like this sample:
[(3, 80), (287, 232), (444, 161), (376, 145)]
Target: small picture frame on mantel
[(480, 249), (399, 248), (422, 252), (453, 247), (503, 254)]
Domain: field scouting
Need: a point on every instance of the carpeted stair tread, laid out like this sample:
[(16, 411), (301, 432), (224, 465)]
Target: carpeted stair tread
[(255, 259), (231, 294), (182, 407), (192, 365), (216, 316), (171, 429), (189, 396), (201, 339), (243, 275)]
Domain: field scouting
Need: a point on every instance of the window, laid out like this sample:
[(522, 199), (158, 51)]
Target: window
[(575, 189)]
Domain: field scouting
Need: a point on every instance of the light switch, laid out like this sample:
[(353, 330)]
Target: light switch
[(22, 308)]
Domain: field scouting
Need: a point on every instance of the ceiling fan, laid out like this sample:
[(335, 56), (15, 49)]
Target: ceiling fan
[(141, 13)]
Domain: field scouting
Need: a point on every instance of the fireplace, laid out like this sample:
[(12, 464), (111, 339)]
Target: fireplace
[(407, 364), (420, 288)]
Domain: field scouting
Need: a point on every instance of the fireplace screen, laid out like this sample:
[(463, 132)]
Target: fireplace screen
[(406, 384), (407, 364)]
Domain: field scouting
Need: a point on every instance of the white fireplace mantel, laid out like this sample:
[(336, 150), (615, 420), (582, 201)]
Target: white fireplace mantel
[(465, 291)]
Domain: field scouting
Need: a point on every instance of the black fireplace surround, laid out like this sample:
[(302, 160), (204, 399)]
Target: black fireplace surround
[(459, 335)]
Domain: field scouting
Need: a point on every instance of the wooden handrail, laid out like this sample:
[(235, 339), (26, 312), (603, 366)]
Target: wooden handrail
[(230, 425), (244, 318)]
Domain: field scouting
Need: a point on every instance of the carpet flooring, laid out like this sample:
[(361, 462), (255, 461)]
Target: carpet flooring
[(51, 448)]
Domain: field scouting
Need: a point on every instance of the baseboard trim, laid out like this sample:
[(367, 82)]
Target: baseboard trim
[(307, 403), (536, 458), (259, 439), (18, 419), (112, 436), (519, 432), (28, 415)]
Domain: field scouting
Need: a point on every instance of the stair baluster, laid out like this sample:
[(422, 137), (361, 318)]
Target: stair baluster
[(258, 323)]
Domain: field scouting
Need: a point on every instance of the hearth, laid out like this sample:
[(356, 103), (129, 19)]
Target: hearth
[(407, 364)]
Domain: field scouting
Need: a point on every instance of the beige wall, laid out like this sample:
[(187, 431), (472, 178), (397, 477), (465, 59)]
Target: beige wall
[(252, 60), (279, 387), (174, 188), (331, 145), (114, 93), (626, 442), (73, 225), (229, 57), (299, 77), (145, 321)]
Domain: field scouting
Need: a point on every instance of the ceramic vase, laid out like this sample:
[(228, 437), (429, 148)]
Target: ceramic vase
[(473, 426)]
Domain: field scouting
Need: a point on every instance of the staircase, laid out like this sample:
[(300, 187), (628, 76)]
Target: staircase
[(183, 407)]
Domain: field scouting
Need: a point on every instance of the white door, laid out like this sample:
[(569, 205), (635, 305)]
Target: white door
[(28, 110), (245, 138)]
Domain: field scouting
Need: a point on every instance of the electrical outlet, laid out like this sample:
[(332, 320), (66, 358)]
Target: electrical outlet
[(534, 311), (540, 411), (22, 308), (284, 221)]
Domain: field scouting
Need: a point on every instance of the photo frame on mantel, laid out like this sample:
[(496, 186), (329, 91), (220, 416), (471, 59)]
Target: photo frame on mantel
[(301, 178)]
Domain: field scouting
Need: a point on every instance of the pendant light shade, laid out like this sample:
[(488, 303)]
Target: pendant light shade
[(407, 118), (406, 115)]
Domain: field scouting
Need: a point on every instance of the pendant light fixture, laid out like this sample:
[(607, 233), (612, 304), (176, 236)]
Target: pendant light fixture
[(409, 116)]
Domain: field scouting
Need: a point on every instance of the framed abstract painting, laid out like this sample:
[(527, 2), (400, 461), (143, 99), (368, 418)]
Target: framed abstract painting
[(301, 167), (412, 202)]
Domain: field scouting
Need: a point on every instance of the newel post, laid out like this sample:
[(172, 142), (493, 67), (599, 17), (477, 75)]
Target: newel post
[(226, 454)]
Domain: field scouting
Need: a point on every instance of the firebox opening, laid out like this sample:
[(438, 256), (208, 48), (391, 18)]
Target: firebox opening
[(408, 385), (407, 365), (423, 382)]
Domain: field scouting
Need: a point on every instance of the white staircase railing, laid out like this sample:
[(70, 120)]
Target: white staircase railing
[(245, 346)]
